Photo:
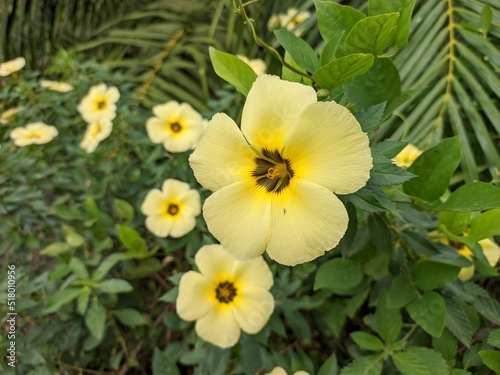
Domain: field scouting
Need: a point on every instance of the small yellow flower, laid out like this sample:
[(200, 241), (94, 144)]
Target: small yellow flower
[(281, 371), (491, 252), (227, 296), (178, 126), (95, 133), (293, 18), (172, 210), (56, 86), (407, 156), (273, 179), (99, 104), (257, 65), (6, 116), (274, 22), (11, 66), (35, 133)]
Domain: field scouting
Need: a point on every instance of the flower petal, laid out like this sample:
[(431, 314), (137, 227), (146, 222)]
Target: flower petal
[(191, 201), (253, 309), (159, 225), (173, 187), (253, 273), (219, 327), (183, 226), (491, 251), (271, 108), (328, 148), (215, 263), (223, 157), (153, 203), (239, 216), (195, 299), (307, 221), (156, 130), (466, 273), (166, 111)]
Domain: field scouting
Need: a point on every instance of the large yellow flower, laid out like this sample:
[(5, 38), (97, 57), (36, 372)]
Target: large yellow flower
[(95, 133), (56, 86), (257, 65), (491, 252), (227, 296), (11, 66), (273, 180), (99, 104), (178, 126), (35, 133), (407, 156), (172, 210)]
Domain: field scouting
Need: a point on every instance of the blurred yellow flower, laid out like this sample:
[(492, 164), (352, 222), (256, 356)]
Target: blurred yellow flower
[(490, 249), (227, 296), (257, 65), (273, 180), (274, 22), (407, 156), (99, 104), (56, 86), (95, 133), (293, 18), (6, 116), (11, 66), (178, 126), (34, 133), (281, 371), (172, 210)]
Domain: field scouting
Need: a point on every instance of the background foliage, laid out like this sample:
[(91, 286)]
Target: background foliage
[(96, 291)]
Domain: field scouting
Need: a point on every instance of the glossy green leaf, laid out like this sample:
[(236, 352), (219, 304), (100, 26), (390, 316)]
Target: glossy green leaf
[(389, 322), (131, 239), (60, 298), (430, 275), (95, 319), (434, 168), (123, 210), (106, 265), (114, 286), (302, 53), (334, 18), (380, 234), (163, 364), (56, 248), (79, 269), (339, 275), (233, 70), (343, 69), (385, 173), (429, 312), (491, 358), (453, 222), (476, 196), (83, 300), (330, 50), (446, 345), (367, 341), (130, 317), (494, 338), (366, 365), (485, 225), (373, 34), (420, 361), (369, 119), (330, 366), (400, 293)]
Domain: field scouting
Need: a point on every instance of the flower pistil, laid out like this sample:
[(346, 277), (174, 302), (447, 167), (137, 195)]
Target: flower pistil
[(225, 292), (273, 172)]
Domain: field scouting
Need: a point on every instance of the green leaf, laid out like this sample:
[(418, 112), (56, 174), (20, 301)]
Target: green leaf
[(328, 53), (79, 268), (434, 168), (494, 338), (486, 18), (430, 275), (106, 265), (447, 346), (130, 317), (302, 53), (491, 358), (343, 69), (380, 234), (370, 118), (339, 275), (403, 7), (170, 296), (232, 70), (123, 210), (389, 320), (60, 298), (334, 18), (453, 222), (373, 34), (420, 361), (485, 225), (366, 365), (83, 300), (299, 325), (114, 286), (131, 239), (56, 248), (289, 75), (330, 366), (385, 172), (476, 196), (95, 319), (367, 341), (429, 313), (400, 293)]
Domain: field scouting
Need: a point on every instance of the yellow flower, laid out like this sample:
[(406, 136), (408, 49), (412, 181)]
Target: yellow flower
[(96, 132), (35, 133), (12, 66), (227, 296), (407, 156), (178, 126), (257, 65), (273, 180), (274, 22), (99, 104), (56, 86), (9, 114), (491, 252), (281, 371), (172, 210), (293, 18)]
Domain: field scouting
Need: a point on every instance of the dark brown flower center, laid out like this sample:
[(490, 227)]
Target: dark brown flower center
[(175, 127), (272, 171), (172, 209), (225, 292), (101, 104)]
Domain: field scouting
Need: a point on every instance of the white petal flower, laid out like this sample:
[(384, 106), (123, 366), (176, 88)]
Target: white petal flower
[(34, 133), (99, 104), (95, 133), (6, 116), (56, 86), (11, 66)]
